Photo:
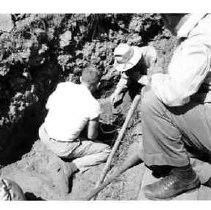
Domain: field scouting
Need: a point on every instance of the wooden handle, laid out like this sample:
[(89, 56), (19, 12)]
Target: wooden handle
[(119, 138), (128, 164)]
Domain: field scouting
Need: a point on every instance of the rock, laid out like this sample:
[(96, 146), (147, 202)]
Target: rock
[(6, 23), (39, 172), (65, 39)]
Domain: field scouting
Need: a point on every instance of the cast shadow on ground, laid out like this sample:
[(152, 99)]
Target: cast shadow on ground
[(32, 197)]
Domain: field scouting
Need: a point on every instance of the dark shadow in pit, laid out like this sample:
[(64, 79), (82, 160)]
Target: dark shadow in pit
[(32, 197), (20, 138), (107, 133)]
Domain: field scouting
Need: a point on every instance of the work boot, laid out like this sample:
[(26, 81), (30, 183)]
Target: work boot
[(179, 180)]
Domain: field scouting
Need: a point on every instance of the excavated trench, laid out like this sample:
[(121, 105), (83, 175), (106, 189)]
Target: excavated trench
[(43, 50)]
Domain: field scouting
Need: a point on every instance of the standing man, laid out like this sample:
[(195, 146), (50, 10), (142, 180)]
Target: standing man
[(176, 108), (71, 110)]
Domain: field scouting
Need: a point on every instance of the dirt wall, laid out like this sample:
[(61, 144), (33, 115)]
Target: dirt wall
[(44, 49)]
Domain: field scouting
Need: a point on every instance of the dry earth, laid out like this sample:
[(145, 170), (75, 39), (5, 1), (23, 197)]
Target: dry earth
[(36, 171)]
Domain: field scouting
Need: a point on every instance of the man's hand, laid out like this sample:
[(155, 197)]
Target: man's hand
[(144, 80), (92, 127), (116, 98)]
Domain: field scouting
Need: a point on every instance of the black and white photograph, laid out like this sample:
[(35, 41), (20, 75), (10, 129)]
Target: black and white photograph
[(105, 105)]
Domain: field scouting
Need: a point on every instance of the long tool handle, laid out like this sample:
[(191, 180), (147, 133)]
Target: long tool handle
[(119, 138), (128, 164)]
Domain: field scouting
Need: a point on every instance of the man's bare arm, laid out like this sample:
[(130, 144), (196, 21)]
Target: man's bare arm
[(92, 129)]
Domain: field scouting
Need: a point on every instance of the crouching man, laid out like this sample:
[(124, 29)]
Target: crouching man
[(71, 110), (176, 110)]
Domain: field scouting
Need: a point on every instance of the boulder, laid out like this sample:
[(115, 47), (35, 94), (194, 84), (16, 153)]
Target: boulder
[(6, 23)]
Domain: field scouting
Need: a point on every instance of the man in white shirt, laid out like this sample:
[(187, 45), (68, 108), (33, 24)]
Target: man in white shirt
[(71, 109), (132, 62)]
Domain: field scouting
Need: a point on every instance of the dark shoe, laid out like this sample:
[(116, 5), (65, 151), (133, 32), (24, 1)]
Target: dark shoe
[(173, 184)]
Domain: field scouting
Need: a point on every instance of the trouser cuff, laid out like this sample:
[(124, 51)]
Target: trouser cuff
[(160, 159)]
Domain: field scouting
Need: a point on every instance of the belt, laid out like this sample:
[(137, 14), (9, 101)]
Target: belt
[(57, 140)]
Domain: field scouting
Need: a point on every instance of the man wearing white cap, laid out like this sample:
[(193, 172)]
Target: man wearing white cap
[(133, 62)]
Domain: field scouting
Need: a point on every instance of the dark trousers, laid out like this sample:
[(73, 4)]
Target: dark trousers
[(171, 134)]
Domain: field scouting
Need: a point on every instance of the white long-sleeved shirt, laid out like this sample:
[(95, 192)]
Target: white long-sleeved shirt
[(190, 65)]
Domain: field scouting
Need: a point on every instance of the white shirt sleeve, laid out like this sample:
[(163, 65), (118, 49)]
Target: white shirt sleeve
[(94, 111), (188, 68), (122, 84)]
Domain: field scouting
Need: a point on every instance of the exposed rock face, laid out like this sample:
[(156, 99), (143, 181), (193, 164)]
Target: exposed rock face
[(37, 174), (6, 23), (44, 49)]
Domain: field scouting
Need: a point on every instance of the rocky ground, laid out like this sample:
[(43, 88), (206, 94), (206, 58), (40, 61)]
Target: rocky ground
[(37, 52), (35, 172)]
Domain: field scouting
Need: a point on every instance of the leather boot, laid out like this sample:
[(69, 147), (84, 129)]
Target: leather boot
[(179, 180)]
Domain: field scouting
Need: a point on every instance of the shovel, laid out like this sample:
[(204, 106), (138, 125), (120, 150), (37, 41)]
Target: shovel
[(132, 109), (132, 161)]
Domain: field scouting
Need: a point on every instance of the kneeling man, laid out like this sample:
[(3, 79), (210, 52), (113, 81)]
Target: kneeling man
[(71, 110)]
